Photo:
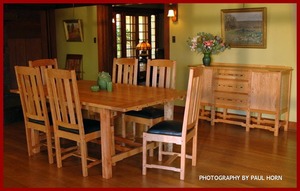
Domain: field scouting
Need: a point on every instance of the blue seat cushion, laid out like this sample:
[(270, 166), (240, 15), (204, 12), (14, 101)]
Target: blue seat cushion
[(167, 127), (41, 122), (90, 126), (148, 113)]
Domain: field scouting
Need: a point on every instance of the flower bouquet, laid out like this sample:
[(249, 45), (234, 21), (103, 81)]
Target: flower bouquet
[(207, 43)]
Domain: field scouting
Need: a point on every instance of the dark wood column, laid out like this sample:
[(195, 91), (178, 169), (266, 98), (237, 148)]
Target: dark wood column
[(104, 27), (166, 32)]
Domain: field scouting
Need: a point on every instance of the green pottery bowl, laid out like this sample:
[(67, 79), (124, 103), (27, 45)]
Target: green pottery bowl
[(95, 88)]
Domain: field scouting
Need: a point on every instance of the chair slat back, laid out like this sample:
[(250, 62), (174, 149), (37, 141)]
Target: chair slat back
[(42, 64), (74, 62), (32, 94), (64, 99), (161, 73), (192, 104), (125, 71)]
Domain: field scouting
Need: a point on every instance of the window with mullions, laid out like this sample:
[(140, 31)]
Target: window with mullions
[(130, 36), (153, 35), (118, 35), (135, 29)]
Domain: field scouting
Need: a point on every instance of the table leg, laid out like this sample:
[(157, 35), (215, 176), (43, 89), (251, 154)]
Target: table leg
[(106, 143), (169, 115)]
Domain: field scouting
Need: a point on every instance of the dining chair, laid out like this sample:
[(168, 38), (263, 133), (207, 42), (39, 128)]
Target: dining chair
[(35, 112), (160, 73), (68, 122), (125, 70), (177, 132), (74, 62), (42, 64)]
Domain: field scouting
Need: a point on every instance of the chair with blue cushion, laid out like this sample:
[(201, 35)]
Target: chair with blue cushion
[(35, 112), (177, 132), (161, 74), (125, 71), (43, 64), (68, 122)]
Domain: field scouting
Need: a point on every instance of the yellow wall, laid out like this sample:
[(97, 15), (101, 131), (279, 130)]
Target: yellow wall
[(281, 40), (87, 48), (193, 18)]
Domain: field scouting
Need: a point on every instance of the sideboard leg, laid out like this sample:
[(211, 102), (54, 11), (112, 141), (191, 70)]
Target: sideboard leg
[(248, 121), (213, 112), (276, 127)]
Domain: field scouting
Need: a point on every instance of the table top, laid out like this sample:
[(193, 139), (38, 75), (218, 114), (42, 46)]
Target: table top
[(125, 97)]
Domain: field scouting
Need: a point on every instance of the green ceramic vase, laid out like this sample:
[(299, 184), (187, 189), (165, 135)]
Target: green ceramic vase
[(206, 59), (103, 78)]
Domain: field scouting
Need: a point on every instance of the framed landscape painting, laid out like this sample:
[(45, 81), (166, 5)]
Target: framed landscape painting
[(73, 30), (245, 28)]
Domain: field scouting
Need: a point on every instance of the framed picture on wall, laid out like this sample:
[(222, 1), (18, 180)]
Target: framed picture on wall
[(73, 30), (245, 27)]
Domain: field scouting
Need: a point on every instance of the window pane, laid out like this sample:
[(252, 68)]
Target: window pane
[(143, 29), (130, 36), (153, 35), (118, 35)]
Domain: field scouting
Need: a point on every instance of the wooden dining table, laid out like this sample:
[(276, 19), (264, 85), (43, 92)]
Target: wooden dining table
[(123, 98)]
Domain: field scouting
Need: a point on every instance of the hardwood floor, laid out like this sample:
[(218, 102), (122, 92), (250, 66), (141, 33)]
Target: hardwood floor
[(223, 150)]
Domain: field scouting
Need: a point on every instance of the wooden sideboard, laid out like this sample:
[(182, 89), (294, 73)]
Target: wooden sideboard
[(253, 96)]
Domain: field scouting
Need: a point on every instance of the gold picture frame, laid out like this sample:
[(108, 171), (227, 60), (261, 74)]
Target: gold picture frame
[(73, 30), (245, 27)]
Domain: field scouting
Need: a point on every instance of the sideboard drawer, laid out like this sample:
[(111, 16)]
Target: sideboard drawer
[(234, 86), (232, 74), (232, 100)]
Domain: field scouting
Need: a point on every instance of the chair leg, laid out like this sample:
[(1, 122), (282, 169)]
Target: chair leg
[(83, 150), (160, 145), (123, 126), (58, 152), (182, 161), (29, 141), (49, 147), (113, 147), (144, 171), (151, 150), (194, 150), (133, 129), (35, 139)]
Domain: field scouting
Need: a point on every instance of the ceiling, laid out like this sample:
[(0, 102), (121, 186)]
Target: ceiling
[(63, 5)]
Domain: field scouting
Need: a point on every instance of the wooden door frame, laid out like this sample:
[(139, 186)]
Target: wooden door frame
[(105, 40)]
